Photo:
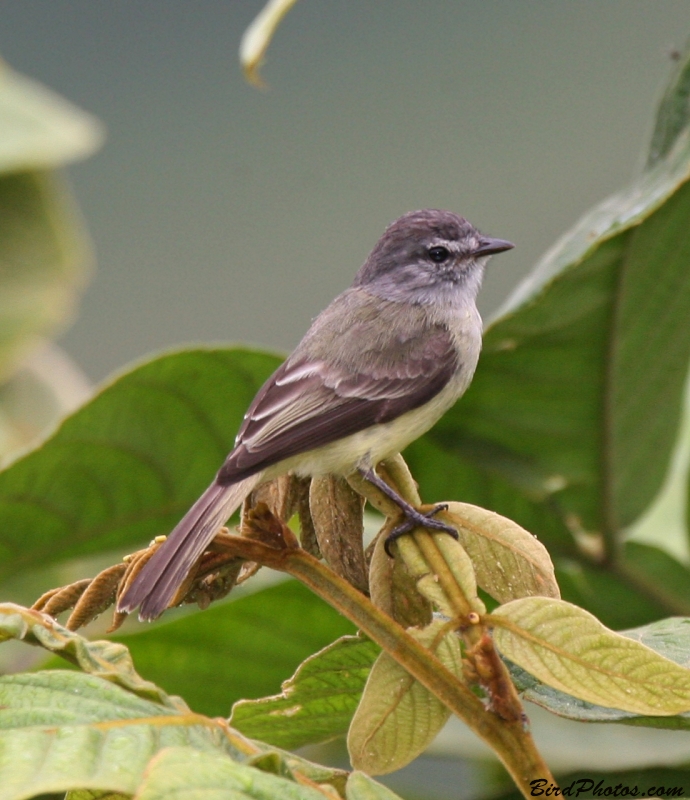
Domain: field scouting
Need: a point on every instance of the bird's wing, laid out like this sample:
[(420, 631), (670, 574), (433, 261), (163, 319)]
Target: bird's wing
[(310, 402)]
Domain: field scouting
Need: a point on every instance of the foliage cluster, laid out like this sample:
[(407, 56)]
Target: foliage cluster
[(568, 432)]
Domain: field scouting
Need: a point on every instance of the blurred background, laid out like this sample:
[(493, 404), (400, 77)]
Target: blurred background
[(220, 212)]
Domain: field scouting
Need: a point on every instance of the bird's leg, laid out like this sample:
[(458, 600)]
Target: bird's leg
[(413, 518)]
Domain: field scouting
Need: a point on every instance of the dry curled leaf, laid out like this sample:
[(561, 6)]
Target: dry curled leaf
[(336, 510)]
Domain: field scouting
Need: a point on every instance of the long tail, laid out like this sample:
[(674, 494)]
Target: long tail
[(155, 586)]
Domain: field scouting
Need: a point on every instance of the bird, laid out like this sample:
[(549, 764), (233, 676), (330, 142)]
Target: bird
[(375, 370)]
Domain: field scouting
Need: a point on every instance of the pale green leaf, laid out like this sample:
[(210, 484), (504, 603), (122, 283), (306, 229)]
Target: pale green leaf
[(186, 772), (668, 637), (398, 718), (43, 258), (45, 387), (508, 560), (361, 787), (39, 129), (569, 649), (459, 565), (66, 730), (62, 697), (62, 730)]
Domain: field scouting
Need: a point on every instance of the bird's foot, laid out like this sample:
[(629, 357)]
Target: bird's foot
[(413, 517), (418, 519)]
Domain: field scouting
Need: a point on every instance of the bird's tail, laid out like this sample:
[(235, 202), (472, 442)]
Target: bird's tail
[(155, 586)]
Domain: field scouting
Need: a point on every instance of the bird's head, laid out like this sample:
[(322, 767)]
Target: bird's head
[(428, 256)]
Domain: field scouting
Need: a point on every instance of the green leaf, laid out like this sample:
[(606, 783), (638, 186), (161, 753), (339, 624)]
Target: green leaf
[(659, 573), (43, 249), (397, 718), (237, 650), (317, 703), (63, 730), (563, 421), (195, 775), (101, 659), (571, 418), (673, 115), (508, 560), (126, 466), (569, 649), (61, 697), (39, 128)]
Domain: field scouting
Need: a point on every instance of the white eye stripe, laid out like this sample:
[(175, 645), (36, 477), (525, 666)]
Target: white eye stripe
[(453, 246)]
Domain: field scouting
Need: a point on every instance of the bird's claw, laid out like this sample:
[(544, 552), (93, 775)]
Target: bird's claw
[(419, 519)]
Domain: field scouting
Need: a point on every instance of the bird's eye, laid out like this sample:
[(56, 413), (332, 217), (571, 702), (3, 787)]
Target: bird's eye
[(439, 254)]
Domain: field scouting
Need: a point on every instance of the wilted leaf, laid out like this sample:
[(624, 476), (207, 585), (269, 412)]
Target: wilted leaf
[(397, 718), (394, 589), (508, 560), (336, 512), (570, 650), (317, 703)]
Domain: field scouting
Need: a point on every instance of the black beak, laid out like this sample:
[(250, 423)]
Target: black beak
[(488, 246)]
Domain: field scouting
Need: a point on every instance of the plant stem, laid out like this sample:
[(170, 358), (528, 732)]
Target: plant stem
[(509, 739)]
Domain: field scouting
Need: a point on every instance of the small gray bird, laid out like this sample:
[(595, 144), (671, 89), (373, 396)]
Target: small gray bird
[(376, 369)]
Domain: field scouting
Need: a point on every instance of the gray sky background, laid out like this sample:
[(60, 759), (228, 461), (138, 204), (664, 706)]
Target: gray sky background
[(219, 212)]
